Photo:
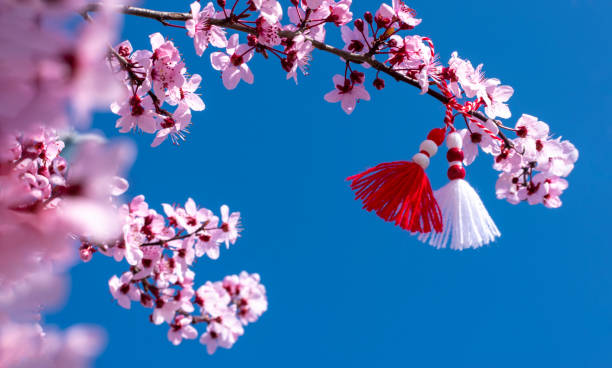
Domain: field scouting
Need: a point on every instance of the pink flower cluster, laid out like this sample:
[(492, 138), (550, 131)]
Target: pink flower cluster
[(150, 79), (534, 168), (161, 251)]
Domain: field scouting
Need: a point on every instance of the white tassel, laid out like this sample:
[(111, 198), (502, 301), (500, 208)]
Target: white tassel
[(465, 218)]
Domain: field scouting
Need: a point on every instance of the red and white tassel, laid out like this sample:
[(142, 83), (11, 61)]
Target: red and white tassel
[(400, 191), (465, 218)]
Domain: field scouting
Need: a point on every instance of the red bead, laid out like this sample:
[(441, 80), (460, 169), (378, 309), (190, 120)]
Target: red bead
[(425, 153), (437, 135), (454, 154), (456, 172)]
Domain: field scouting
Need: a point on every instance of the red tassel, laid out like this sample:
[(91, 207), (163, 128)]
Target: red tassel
[(400, 192)]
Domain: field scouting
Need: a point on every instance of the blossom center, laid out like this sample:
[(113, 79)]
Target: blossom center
[(168, 123), (355, 46), (476, 138), (236, 59), (346, 87)]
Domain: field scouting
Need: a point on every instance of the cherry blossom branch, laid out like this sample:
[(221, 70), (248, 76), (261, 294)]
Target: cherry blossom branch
[(461, 88), (164, 16), (160, 251)]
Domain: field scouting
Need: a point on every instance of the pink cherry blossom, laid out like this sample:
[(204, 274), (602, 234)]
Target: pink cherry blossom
[(313, 4), (151, 255), (168, 68), (207, 243), (555, 187), (412, 57), (212, 298), (340, 12), (136, 113), (181, 329), (232, 64), (556, 157), (270, 9), (185, 94), (509, 160), (223, 332), (471, 80), (230, 226), (399, 11), (184, 253), (123, 290), (298, 56), (347, 93), (200, 29), (316, 30), (530, 126), (173, 126), (544, 188), (507, 187), (164, 310), (267, 32), (498, 95), (476, 138), (356, 41), (194, 217), (183, 298), (252, 301)]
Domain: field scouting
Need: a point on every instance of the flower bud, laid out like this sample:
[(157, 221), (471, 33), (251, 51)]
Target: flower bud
[(359, 24), (286, 65), (379, 83), (251, 40), (368, 17), (381, 21)]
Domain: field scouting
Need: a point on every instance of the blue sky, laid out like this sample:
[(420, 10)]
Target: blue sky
[(347, 288)]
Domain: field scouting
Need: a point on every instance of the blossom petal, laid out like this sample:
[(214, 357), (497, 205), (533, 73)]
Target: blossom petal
[(348, 105), (333, 96), (219, 60), (246, 74), (231, 77)]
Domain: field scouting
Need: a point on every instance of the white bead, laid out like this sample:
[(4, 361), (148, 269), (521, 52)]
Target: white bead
[(453, 140), (421, 159), (429, 146), (453, 163)]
